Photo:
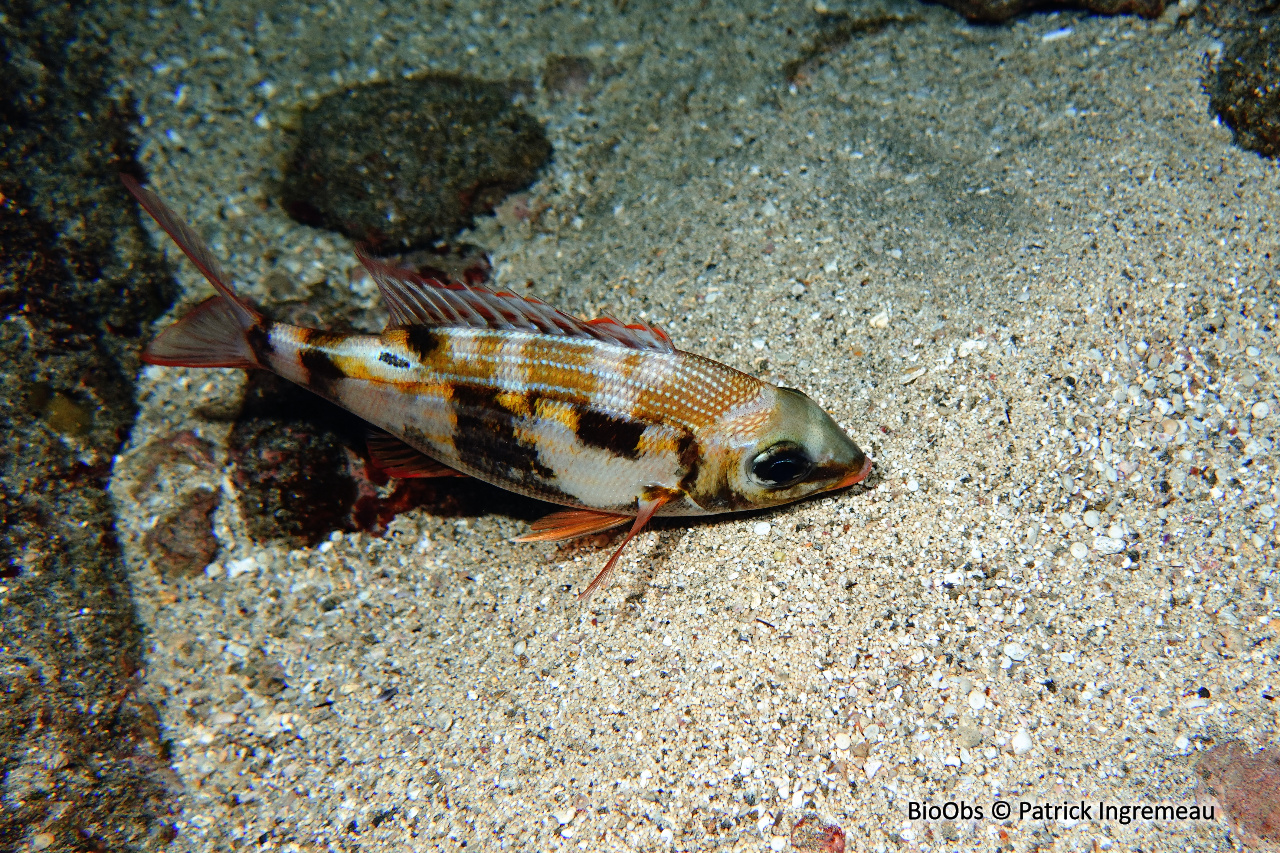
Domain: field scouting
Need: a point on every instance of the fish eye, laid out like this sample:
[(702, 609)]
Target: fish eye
[(781, 465)]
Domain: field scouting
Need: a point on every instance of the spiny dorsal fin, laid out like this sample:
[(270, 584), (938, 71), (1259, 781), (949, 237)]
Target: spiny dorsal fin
[(414, 300)]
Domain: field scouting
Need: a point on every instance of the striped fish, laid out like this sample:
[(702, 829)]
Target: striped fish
[(609, 420)]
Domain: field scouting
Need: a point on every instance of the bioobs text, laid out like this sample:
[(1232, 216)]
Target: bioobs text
[(949, 810)]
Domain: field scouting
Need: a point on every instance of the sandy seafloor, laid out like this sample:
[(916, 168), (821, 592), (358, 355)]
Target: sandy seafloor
[(1076, 268)]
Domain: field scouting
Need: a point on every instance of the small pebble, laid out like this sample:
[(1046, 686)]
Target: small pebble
[(1079, 550), (1067, 521), (1106, 545), (565, 815), (1260, 410), (1021, 742), (977, 701), (762, 528), (842, 741), (1092, 518), (912, 485), (1015, 651), (519, 647), (879, 321), (236, 568)]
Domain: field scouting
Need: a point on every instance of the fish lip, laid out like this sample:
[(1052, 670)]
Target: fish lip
[(857, 476)]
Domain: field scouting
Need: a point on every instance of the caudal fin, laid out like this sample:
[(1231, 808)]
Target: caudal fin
[(215, 332), (210, 335)]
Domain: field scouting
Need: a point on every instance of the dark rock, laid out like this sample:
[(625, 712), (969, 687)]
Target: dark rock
[(1245, 91), (292, 466), (80, 756), (405, 163), (995, 11), (1247, 786), (183, 541), (186, 448)]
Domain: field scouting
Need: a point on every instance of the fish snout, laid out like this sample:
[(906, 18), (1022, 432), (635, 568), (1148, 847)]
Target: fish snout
[(857, 475)]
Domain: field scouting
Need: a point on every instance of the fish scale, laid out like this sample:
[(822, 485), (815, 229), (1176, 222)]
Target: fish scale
[(610, 420)]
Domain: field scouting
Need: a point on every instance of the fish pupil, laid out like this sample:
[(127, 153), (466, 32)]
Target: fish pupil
[(781, 465)]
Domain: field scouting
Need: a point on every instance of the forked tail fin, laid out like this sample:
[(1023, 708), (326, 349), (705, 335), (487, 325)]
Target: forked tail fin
[(216, 332)]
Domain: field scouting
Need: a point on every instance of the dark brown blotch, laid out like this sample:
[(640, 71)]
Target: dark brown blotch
[(322, 372), (486, 438), (423, 341), (393, 360), (689, 455), (618, 436)]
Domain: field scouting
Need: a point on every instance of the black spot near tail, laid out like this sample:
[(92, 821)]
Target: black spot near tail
[(259, 337), (619, 436), (393, 360)]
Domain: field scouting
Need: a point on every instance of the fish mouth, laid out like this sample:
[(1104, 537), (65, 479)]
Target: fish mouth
[(857, 476)]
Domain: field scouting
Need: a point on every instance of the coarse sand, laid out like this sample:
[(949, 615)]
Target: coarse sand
[(1021, 264)]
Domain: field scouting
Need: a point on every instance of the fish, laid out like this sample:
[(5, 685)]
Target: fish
[(610, 421)]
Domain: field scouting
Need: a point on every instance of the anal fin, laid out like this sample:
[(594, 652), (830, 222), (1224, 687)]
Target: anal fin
[(397, 459), (570, 524)]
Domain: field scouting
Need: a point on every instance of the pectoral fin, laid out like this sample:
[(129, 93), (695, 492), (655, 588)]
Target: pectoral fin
[(648, 508), (397, 459), (570, 524)]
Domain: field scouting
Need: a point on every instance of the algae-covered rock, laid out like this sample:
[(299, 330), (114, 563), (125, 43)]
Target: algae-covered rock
[(404, 163), (291, 464), (1245, 91)]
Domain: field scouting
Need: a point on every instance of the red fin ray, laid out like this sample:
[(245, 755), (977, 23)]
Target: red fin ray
[(214, 333), (648, 508), (209, 335), (193, 246), (415, 300), (570, 524)]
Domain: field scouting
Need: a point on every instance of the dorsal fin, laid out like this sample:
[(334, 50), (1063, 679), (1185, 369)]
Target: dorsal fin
[(415, 300)]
